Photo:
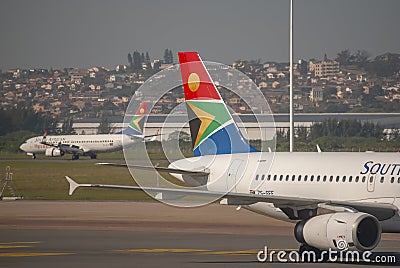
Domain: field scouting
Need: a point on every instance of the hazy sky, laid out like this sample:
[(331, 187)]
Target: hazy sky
[(85, 33)]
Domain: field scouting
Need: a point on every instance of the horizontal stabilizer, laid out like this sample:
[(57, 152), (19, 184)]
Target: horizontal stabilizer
[(73, 185)]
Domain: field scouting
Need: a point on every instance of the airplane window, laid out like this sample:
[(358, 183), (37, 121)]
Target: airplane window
[(294, 177), (281, 177), (350, 178), (344, 178), (262, 177), (357, 178), (331, 178), (257, 177), (337, 178), (371, 179), (274, 177), (398, 180), (382, 179), (269, 177), (392, 180), (312, 178), (305, 177), (287, 177), (299, 179), (363, 179), (318, 178)]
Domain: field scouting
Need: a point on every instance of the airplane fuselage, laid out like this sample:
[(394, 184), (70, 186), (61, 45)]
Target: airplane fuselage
[(93, 144), (353, 177)]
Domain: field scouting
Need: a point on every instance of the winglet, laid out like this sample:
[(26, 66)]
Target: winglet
[(319, 149), (72, 185)]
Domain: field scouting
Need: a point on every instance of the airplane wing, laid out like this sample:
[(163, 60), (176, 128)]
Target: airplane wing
[(160, 169), (143, 137), (66, 148), (380, 211), (44, 142), (71, 149)]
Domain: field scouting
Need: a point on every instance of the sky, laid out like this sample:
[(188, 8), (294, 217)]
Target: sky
[(86, 33)]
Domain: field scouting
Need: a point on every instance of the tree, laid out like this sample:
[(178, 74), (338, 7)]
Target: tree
[(17, 119), (361, 58), (142, 58), (147, 57), (105, 126), (137, 61), (130, 59), (344, 57), (385, 65), (171, 57), (67, 126), (168, 57)]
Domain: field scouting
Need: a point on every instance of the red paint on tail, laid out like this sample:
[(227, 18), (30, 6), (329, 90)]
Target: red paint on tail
[(197, 83), (142, 108)]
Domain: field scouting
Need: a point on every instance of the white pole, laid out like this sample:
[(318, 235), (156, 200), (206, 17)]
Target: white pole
[(291, 127)]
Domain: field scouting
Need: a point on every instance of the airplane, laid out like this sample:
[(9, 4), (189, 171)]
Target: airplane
[(334, 198), (88, 145)]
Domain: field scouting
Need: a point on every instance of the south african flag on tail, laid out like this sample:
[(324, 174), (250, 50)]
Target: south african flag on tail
[(135, 127), (212, 128)]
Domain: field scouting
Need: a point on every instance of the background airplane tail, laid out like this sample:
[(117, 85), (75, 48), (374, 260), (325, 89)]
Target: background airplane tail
[(212, 127), (135, 127)]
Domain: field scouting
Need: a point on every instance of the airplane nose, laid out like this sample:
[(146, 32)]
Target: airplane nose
[(23, 147)]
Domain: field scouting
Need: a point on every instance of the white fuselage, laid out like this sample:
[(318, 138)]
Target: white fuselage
[(355, 177), (99, 143)]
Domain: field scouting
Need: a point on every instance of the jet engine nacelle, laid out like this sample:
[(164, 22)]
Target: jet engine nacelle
[(340, 231), (53, 152)]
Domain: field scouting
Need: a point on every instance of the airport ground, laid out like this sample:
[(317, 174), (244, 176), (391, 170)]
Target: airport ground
[(44, 178), (49, 228), (143, 234)]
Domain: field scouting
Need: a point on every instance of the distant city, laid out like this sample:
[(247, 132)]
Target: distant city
[(351, 82)]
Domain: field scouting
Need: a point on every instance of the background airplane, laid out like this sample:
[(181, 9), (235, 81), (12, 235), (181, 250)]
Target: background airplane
[(88, 145), (338, 201)]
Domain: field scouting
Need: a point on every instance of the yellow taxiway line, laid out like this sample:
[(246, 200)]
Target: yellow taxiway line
[(13, 243), (33, 254), (11, 246), (198, 251)]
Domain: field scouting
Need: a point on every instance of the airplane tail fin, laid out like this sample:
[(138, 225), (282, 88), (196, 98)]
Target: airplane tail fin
[(135, 127), (212, 127)]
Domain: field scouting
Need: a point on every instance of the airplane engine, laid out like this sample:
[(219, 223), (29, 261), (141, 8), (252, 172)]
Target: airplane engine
[(340, 231), (54, 152)]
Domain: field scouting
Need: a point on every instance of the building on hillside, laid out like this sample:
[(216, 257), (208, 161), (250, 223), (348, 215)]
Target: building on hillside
[(326, 68), (316, 94)]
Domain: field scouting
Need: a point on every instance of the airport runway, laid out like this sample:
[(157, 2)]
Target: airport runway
[(142, 234)]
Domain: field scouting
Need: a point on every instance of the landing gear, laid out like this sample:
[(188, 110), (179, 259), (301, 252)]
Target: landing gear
[(75, 156), (93, 156), (33, 156)]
